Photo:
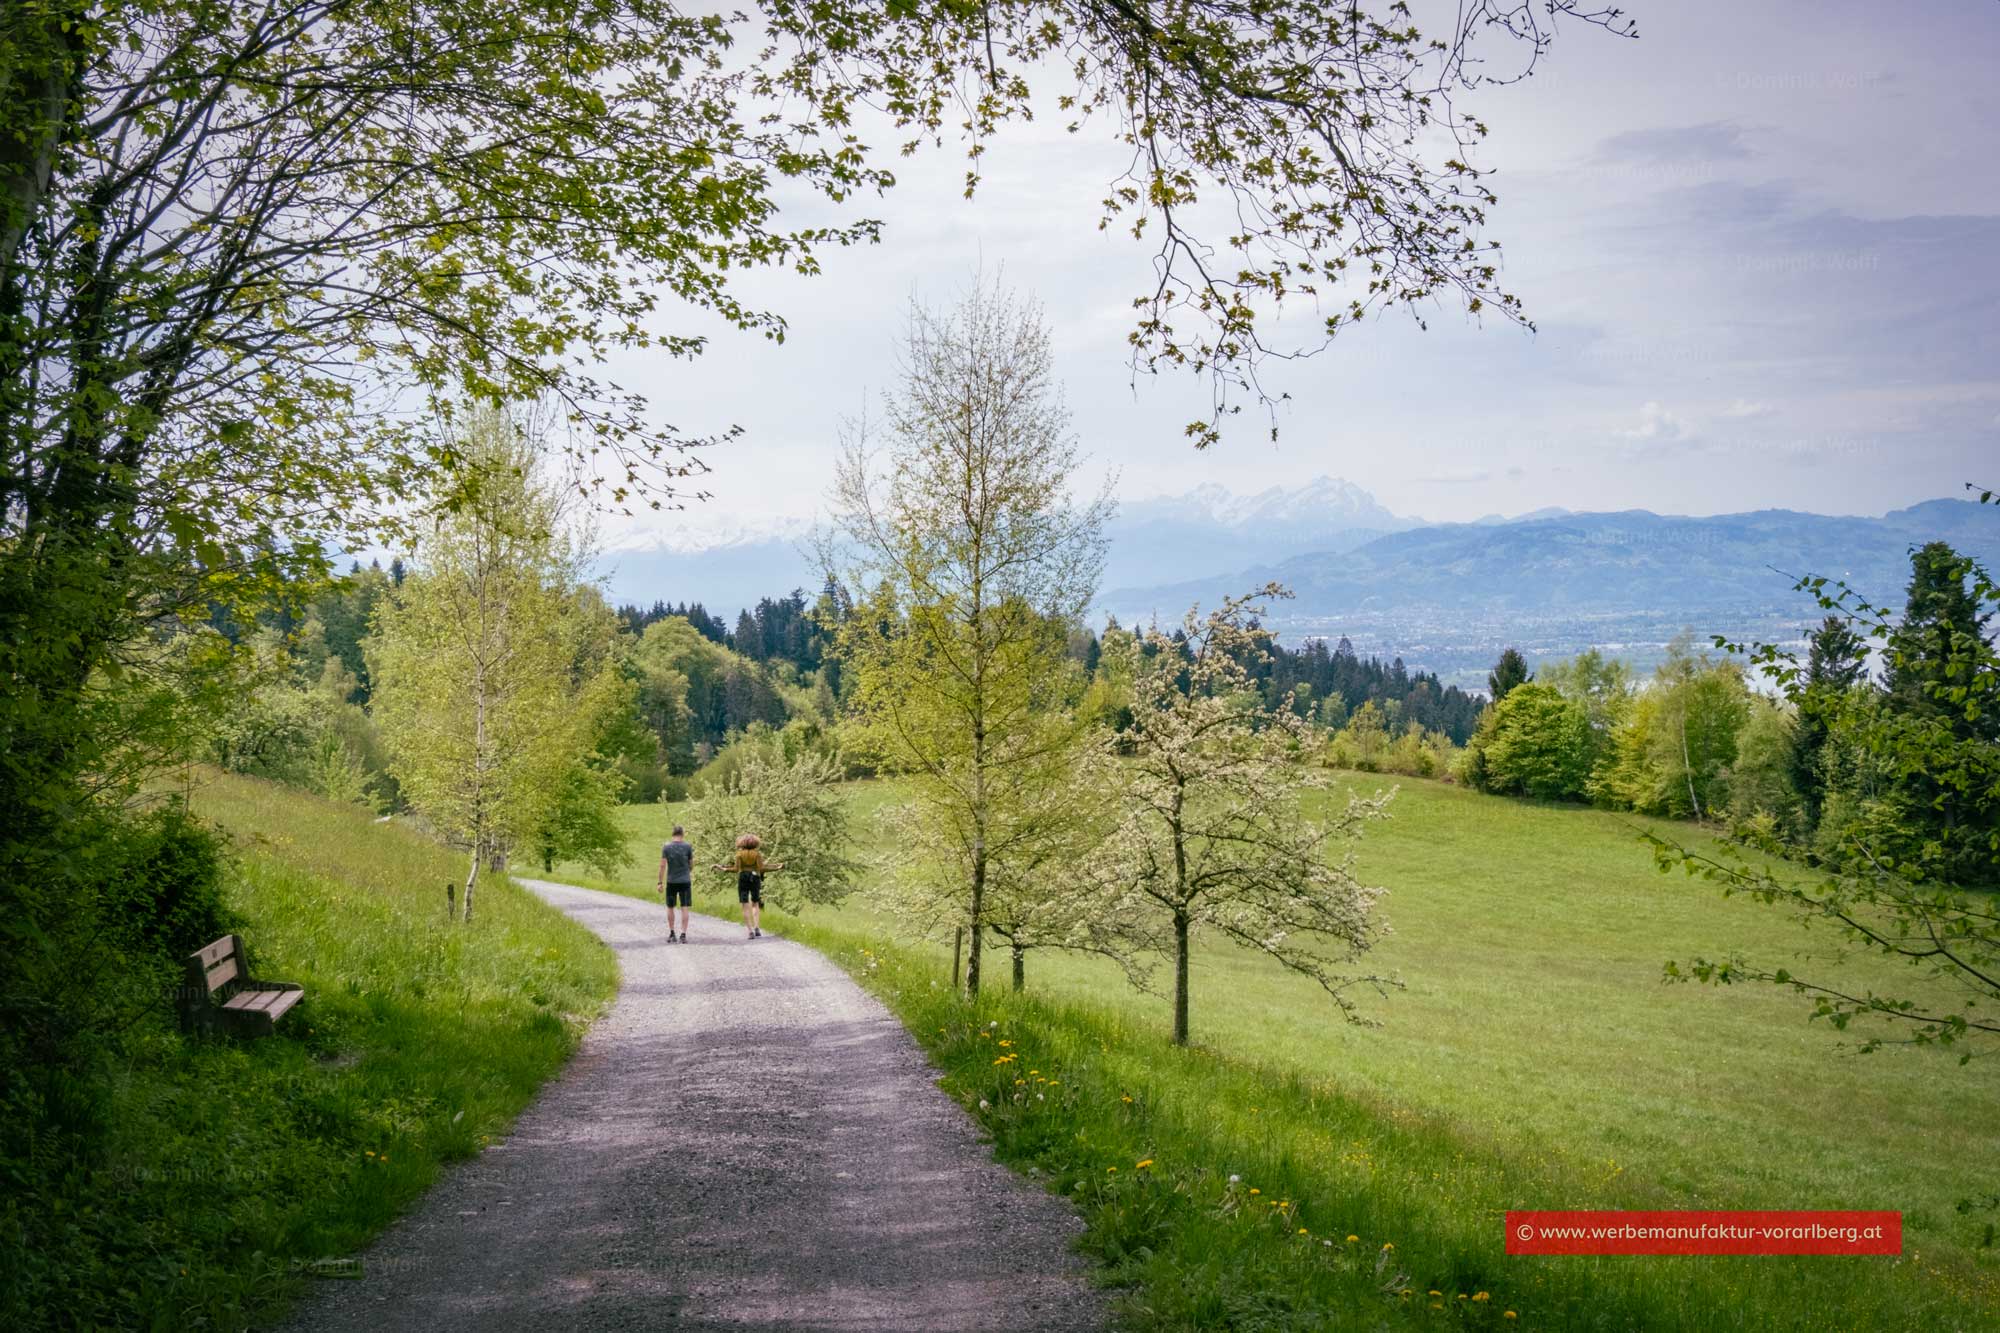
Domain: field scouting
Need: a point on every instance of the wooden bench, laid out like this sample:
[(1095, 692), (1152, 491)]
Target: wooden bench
[(220, 995)]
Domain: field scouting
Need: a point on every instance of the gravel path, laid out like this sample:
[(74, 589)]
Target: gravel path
[(746, 1140)]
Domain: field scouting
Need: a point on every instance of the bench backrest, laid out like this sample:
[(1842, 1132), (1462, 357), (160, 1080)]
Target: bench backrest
[(216, 965)]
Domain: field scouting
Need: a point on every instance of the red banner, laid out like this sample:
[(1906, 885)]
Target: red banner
[(1600, 1232)]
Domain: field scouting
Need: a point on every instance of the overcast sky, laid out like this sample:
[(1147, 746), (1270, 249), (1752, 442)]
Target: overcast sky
[(1761, 243)]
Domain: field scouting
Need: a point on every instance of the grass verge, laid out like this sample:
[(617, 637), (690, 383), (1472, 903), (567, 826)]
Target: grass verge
[(1221, 1194), (235, 1171)]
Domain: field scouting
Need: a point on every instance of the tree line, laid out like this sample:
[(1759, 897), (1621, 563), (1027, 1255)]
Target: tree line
[(1812, 761)]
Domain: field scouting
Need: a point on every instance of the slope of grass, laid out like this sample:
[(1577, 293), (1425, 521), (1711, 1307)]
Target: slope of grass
[(1533, 1058), (237, 1169)]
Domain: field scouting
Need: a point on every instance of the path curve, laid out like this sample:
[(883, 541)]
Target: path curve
[(747, 1139)]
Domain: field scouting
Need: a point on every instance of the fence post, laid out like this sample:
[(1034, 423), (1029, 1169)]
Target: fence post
[(957, 946)]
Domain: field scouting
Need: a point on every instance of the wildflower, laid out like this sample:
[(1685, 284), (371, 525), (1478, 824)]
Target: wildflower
[(994, 1024), (1019, 1082), (1435, 1293), (1509, 1315), (1482, 1296), (1110, 1170), (1352, 1239), (1234, 1180), (1255, 1190), (1388, 1245), (982, 1104), (1128, 1097), (1143, 1165), (1304, 1232)]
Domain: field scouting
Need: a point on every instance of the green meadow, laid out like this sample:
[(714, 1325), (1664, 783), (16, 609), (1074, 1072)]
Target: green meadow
[(1531, 1057)]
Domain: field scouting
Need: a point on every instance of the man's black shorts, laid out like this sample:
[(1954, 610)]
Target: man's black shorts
[(682, 894), (750, 888)]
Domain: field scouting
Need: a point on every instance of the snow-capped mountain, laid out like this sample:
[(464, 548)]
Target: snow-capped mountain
[(1213, 530), (1332, 501)]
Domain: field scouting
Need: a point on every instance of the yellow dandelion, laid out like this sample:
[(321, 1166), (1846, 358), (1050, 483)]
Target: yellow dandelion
[(1304, 1232), (1143, 1165), (1111, 1170), (1434, 1293), (1388, 1245), (1126, 1098), (1352, 1239), (1509, 1315), (1482, 1296)]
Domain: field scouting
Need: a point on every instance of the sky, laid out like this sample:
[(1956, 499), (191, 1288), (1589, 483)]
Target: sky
[(1760, 243)]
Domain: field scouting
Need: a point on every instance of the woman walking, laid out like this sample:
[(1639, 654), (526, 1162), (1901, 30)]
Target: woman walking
[(750, 867)]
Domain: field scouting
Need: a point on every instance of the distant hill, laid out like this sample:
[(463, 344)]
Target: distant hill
[(1448, 596), (1634, 560)]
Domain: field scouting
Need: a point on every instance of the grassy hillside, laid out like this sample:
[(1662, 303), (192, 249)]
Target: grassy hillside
[(1534, 1059), (234, 1166)]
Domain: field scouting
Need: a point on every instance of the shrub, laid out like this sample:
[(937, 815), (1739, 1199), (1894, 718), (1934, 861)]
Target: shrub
[(1539, 745), (165, 891)]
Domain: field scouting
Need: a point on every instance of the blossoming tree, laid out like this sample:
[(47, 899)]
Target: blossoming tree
[(1215, 836)]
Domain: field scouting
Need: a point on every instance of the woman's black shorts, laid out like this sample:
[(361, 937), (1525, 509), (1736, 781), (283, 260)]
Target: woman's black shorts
[(750, 887)]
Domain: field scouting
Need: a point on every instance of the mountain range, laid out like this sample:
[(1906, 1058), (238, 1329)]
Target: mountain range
[(1444, 596)]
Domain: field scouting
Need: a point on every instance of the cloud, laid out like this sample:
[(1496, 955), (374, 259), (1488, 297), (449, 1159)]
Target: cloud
[(1656, 426), (1742, 410), (1466, 476), (1716, 141)]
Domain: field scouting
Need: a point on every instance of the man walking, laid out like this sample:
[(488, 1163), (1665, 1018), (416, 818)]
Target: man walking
[(677, 878)]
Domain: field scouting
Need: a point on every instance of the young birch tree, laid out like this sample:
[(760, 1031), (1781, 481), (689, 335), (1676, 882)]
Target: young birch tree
[(1214, 835), (1038, 894), (977, 565), (493, 665)]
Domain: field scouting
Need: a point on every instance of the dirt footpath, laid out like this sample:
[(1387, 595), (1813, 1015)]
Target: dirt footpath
[(746, 1140)]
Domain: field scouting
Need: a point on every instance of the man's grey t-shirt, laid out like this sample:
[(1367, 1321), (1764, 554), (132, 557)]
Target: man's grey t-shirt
[(679, 857)]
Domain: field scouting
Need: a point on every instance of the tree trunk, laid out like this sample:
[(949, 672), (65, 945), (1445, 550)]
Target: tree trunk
[(1180, 976), (471, 878), (978, 914), (1020, 969)]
